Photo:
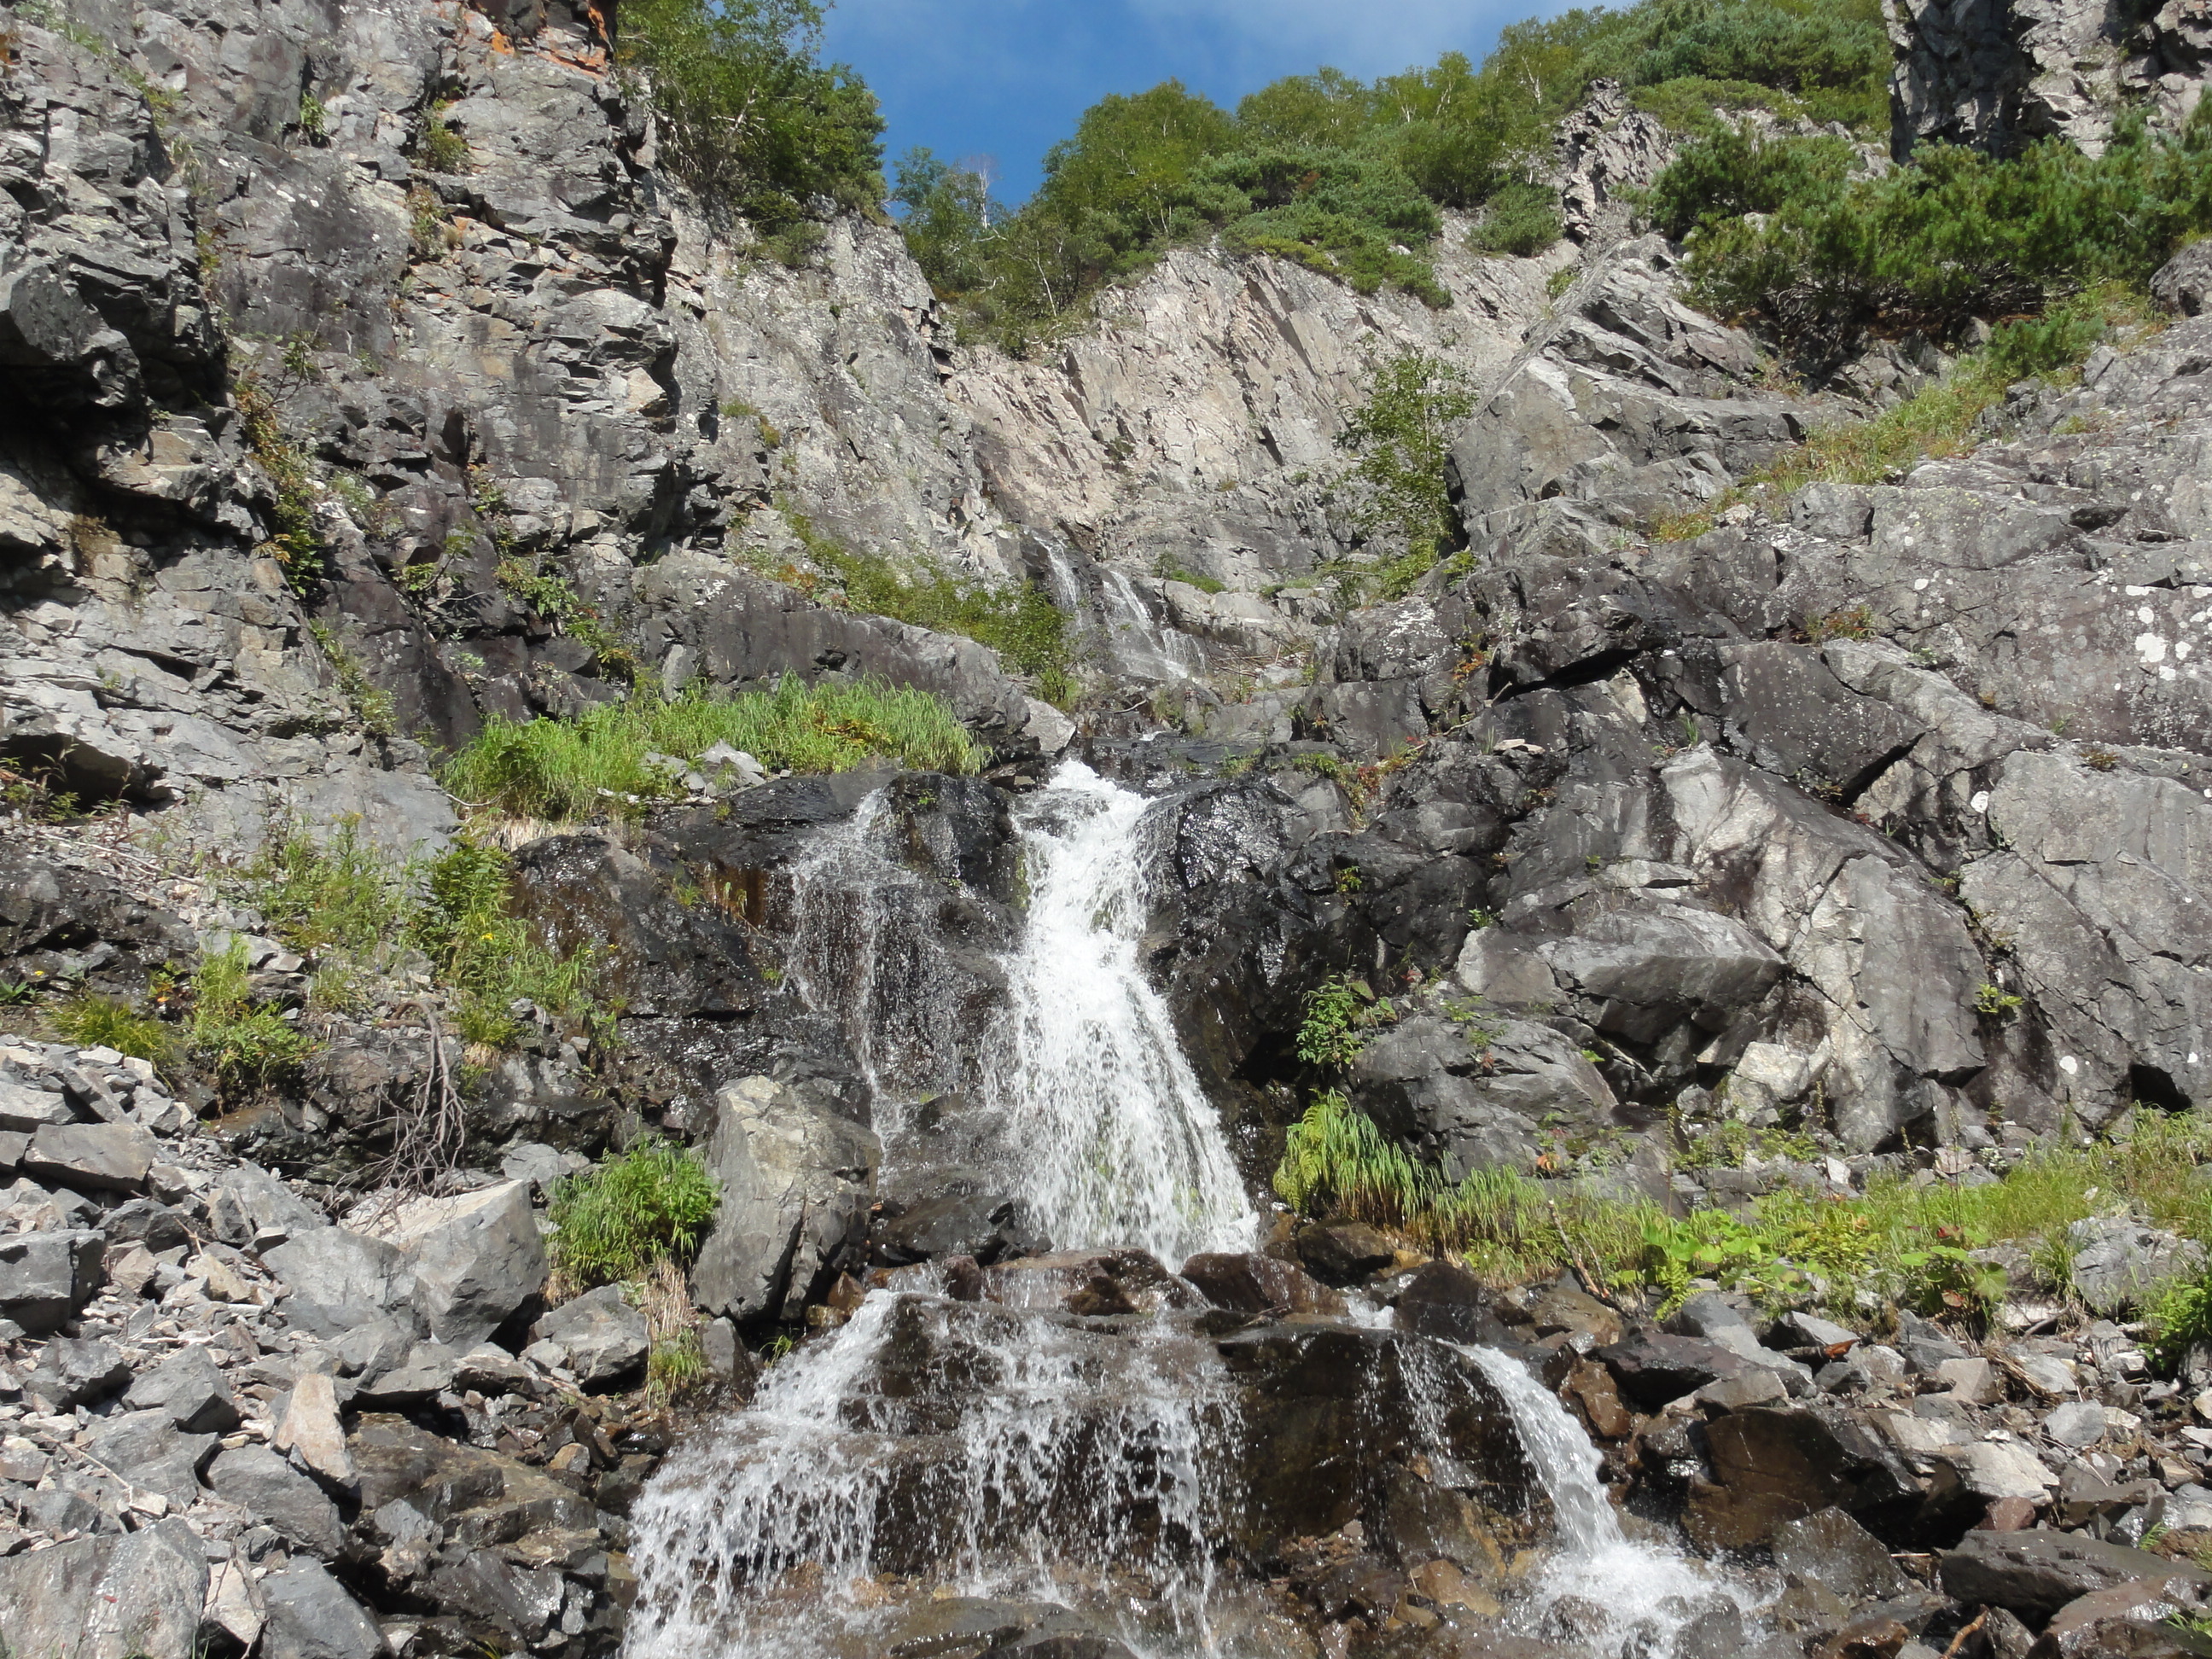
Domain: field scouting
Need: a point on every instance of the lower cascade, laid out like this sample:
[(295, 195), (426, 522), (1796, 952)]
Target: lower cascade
[(1085, 1453)]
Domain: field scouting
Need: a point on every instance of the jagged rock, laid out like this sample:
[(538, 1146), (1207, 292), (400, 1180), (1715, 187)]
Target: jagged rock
[(310, 1432), (340, 1279), (598, 1337), (310, 1616), (985, 1225), (149, 1451), (270, 1490), (251, 1208), (70, 1371), (26, 1110), (106, 1598), (2183, 283), (2132, 1621), (477, 1259), (46, 1276), (796, 1182), (1653, 1367), (190, 1390), (113, 1157), (2119, 1264), (2034, 1574)]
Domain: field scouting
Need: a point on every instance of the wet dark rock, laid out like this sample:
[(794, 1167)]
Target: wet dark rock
[(1771, 1465), (1342, 1253), (1841, 1554), (1256, 1284), (1654, 1368), (1444, 1300), (1094, 1283), (985, 1225)]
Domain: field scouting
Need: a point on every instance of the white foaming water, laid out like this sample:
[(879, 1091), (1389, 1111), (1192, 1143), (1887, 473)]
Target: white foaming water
[(1630, 1582), (1073, 1468), (1106, 1129)]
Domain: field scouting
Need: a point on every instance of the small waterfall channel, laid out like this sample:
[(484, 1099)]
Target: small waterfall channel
[(947, 1453)]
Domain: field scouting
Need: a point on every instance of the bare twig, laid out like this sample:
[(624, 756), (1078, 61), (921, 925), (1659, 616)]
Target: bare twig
[(427, 1134)]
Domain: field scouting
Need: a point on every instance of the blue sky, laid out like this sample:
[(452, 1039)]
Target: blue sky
[(1006, 78)]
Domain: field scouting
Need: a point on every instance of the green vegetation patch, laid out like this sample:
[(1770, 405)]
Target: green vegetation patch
[(1911, 1245), (1347, 177), (619, 1219), (246, 1046), (751, 117), (1951, 235), (1399, 438), (92, 1021), (597, 765)]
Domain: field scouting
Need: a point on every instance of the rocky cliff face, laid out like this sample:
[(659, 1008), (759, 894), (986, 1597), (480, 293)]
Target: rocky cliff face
[(332, 333)]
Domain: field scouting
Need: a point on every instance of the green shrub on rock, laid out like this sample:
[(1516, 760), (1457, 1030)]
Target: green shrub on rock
[(617, 1221)]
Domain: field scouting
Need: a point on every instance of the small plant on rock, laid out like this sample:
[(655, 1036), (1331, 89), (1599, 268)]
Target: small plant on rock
[(1340, 1012), (643, 1206), (245, 1046), (91, 1021), (1995, 1002)]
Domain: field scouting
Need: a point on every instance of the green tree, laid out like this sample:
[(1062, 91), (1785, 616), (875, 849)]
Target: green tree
[(749, 115), (949, 216), (1399, 438)]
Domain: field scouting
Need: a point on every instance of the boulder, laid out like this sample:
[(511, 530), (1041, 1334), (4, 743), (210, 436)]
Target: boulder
[(1088, 1282), (72, 1371), (1444, 1300), (189, 1389), (252, 1209), (988, 1226), (140, 1594), (1834, 1550), (271, 1490), (340, 1279), (1343, 1253), (796, 1183), (2118, 1263), (597, 1338), (47, 1277), (2034, 1574), (310, 1616), (1653, 1367), (111, 1156), (150, 1452), (477, 1259), (1257, 1284), (1771, 1465)]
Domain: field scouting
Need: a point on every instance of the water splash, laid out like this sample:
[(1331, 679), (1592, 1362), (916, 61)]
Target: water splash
[(1627, 1584), (993, 1453), (1107, 1130)]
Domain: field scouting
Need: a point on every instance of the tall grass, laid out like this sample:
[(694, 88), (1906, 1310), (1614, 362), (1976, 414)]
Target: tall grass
[(619, 1220), (599, 765), (1909, 1244)]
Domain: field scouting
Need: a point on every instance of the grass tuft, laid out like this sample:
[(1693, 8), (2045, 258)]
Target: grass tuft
[(618, 1221), (92, 1021), (599, 766)]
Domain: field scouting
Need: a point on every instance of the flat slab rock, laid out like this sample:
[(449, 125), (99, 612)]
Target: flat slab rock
[(2034, 1574)]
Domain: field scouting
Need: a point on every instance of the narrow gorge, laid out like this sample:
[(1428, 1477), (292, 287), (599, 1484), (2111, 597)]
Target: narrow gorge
[(1439, 894)]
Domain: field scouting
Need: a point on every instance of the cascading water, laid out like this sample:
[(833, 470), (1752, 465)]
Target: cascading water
[(1021, 1447), (1105, 1125), (1626, 1585)]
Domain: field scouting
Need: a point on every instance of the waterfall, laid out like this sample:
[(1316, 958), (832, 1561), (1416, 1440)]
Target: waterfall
[(864, 952), (1630, 1588), (1105, 1125), (1073, 1468)]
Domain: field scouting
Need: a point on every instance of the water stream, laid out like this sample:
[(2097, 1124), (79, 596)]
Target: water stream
[(1005, 1448)]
